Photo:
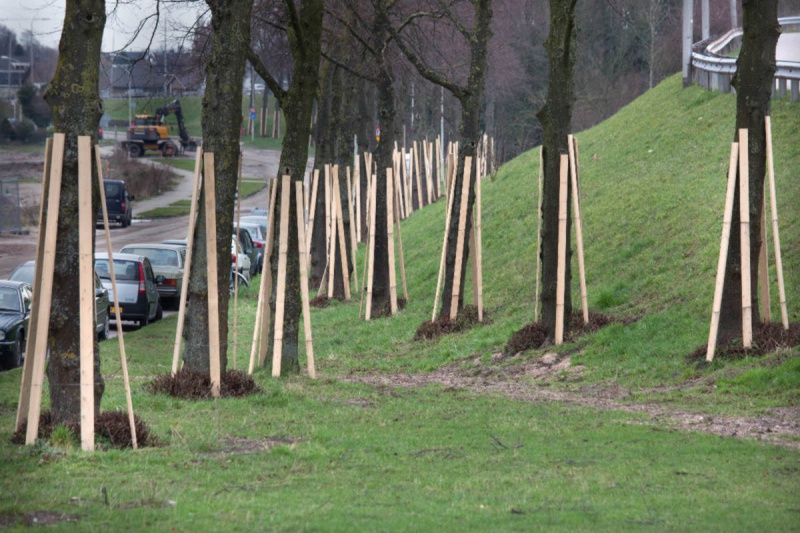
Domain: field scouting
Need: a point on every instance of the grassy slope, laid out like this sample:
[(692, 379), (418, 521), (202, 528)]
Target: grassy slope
[(354, 457)]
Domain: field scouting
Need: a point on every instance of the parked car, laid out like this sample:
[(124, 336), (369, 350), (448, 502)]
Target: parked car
[(15, 307), (137, 285), (258, 211), (249, 248), (241, 261), (25, 272), (259, 242), (168, 261), (261, 220), (118, 203)]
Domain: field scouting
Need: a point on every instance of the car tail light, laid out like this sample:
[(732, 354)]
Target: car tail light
[(173, 282), (233, 258), (258, 244), (141, 279), (122, 206)]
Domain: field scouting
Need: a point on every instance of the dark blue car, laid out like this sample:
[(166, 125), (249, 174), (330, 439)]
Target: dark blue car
[(15, 307)]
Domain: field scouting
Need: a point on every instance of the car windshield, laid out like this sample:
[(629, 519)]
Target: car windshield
[(157, 256), (123, 270), (9, 299), (23, 273)]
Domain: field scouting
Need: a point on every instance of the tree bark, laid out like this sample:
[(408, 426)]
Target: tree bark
[(221, 120), (76, 107), (755, 72), (556, 120)]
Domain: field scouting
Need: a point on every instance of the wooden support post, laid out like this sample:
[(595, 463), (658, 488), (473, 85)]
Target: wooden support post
[(27, 371), (312, 372), (371, 247), (576, 208), (336, 205), (236, 278), (478, 251), (213, 289), (390, 240), (328, 227), (763, 264), (123, 356), (417, 176), (562, 249), (265, 273), (776, 239), (193, 211), (744, 232), (280, 301), (400, 235), (266, 293), (45, 288), (330, 219), (462, 225), (539, 237), (438, 149), (722, 262), (312, 212), (429, 171), (356, 219), (86, 217), (451, 183), (353, 241)]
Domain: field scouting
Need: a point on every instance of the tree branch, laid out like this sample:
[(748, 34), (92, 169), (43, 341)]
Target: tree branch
[(262, 71)]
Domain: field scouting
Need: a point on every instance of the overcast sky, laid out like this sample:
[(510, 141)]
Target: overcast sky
[(47, 17)]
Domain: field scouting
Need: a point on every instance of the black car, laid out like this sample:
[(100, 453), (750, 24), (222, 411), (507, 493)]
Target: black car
[(118, 203), (24, 272), (15, 308), (136, 284)]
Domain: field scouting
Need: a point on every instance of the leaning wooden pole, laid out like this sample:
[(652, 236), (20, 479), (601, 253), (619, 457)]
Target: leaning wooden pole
[(123, 356), (776, 239), (265, 290), (744, 232), (236, 278), (450, 191), (371, 248), (390, 240), (478, 250), (27, 370), (353, 241), (45, 288), (461, 237), (722, 262), (402, 261), (280, 301), (213, 292), (312, 372), (538, 282), (576, 208), (193, 210), (561, 272), (86, 218)]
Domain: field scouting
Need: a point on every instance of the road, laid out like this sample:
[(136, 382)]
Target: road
[(15, 249)]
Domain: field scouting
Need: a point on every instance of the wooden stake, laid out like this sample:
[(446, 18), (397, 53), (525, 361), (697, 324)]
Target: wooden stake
[(312, 211), (353, 241), (236, 278), (576, 208), (451, 190), (776, 240), (390, 239), (722, 262), (763, 264), (438, 167), (45, 288), (328, 227), (400, 235), (366, 256), (337, 209), (417, 176), (408, 207), (429, 171), (23, 404), (744, 231), (193, 210), (562, 249), (357, 183), (371, 262), (330, 219), (478, 247), (265, 296), (312, 372), (86, 218), (213, 289), (258, 332), (462, 225), (539, 238), (280, 301)]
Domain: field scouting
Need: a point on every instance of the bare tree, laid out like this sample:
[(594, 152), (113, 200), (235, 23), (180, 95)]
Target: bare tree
[(75, 103)]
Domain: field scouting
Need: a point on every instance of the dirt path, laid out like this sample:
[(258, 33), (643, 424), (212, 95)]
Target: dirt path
[(779, 426)]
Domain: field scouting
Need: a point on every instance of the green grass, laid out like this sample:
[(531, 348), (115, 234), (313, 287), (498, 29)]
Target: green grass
[(337, 456)]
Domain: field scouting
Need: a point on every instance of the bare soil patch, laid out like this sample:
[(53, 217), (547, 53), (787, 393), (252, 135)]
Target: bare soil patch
[(521, 378)]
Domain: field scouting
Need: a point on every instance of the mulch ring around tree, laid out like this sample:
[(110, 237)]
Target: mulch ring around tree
[(189, 384), (534, 335), (319, 302), (466, 319), (112, 428), (767, 338)]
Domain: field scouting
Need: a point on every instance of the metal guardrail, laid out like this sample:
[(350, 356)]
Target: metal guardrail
[(713, 70)]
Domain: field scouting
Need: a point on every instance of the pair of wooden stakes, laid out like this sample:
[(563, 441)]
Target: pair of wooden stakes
[(30, 399), (568, 170), (739, 159)]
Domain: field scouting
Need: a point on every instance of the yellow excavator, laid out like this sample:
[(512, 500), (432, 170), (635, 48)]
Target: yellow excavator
[(151, 132)]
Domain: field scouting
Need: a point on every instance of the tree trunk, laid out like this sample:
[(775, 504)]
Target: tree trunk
[(755, 72), (469, 137), (556, 120), (76, 107), (297, 104), (221, 120)]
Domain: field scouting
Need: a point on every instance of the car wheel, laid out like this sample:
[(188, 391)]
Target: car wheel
[(144, 321), (134, 150), (105, 331), (159, 313), (14, 358)]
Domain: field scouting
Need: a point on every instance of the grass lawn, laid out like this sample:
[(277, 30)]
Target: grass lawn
[(482, 442)]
